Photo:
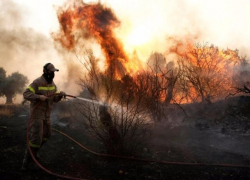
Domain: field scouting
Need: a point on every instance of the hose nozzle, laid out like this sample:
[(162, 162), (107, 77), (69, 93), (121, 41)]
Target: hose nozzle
[(70, 96)]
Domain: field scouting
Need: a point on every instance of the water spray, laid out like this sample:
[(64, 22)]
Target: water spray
[(99, 103), (87, 100), (91, 101)]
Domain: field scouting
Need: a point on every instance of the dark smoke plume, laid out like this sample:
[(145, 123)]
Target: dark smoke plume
[(82, 21)]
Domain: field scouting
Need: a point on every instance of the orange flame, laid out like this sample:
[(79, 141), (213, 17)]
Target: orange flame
[(94, 20), (208, 62), (80, 21)]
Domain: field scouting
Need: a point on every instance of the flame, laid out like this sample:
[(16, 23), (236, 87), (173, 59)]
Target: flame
[(138, 36), (187, 49), (80, 21), (208, 62)]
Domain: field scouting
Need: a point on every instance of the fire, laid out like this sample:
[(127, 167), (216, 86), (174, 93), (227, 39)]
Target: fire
[(82, 21), (139, 36), (208, 66), (188, 50), (209, 69)]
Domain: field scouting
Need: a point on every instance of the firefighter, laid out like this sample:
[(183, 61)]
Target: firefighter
[(38, 92)]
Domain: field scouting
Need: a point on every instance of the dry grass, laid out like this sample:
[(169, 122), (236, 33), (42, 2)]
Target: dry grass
[(6, 112)]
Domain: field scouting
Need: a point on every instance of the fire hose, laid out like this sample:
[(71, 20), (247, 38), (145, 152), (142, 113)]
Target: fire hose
[(109, 155)]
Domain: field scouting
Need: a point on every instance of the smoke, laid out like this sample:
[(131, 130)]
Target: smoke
[(136, 26), (24, 50), (145, 25), (80, 22)]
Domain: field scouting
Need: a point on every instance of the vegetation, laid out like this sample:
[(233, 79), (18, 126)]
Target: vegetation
[(122, 122), (132, 102), (11, 85), (6, 111)]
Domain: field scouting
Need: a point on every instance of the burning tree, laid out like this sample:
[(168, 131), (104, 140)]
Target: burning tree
[(157, 83), (207, 71), (11, 85), (81, 21), (167, 73), (173, 75), (122, 122)]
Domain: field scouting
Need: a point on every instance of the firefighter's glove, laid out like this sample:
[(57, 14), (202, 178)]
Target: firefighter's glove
[(63, 94), (42, 98)]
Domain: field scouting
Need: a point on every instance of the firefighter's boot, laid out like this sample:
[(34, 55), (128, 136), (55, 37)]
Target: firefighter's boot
[(26, 160), (28, 163)]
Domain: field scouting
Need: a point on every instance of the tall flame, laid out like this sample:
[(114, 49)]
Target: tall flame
[(83, 21)]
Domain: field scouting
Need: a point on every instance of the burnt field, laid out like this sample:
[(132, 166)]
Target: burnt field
[(217, 134)]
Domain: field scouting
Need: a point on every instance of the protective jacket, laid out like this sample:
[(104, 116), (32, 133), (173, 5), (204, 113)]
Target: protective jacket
[(40, 129)]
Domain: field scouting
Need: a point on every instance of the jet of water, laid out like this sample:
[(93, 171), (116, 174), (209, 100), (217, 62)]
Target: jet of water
[(92, 101), (114, 106)]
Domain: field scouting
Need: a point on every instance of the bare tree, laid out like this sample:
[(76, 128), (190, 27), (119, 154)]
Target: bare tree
[(153, 86), (173, 75), (207, 72), (158, 83), (119, 121)]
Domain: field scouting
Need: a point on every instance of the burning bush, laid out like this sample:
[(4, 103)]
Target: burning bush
[(122, 123), (207, 72)]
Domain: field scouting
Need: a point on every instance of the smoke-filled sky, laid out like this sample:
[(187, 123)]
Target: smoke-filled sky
[(26, 26), (146, 23)]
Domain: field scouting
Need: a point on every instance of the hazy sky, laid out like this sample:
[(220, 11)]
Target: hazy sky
[(225, 23), (25, 27)]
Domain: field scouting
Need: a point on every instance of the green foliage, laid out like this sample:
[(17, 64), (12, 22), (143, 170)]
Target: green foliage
[(11, 85), (2, 80)]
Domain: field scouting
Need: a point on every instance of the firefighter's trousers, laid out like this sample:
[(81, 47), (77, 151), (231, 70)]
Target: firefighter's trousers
[(40, 129)]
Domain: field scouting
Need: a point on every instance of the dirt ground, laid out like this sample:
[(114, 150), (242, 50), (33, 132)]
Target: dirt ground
[(176, 144)]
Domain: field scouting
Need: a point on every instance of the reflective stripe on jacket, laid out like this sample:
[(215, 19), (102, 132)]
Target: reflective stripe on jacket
[(40, 87)]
